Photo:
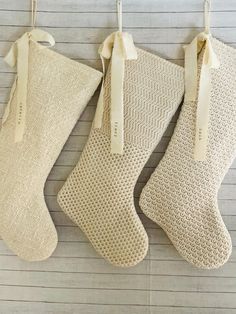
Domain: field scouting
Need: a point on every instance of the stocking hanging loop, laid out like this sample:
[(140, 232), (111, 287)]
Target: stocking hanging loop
[(34, 4), (118, 47), (207, 8), (119, 14)]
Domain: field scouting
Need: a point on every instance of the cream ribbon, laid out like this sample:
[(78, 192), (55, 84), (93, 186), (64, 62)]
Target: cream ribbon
[(34, 6), (19, 56), (118, 47), (201, 93)]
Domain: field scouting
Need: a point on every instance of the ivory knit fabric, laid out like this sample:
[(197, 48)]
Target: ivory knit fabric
[(181, 195), (98, 195), (58, 91)]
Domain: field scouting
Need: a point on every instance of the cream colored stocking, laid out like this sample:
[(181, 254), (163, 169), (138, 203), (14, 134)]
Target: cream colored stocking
[(181, 195), (58, 91), (98, 195)]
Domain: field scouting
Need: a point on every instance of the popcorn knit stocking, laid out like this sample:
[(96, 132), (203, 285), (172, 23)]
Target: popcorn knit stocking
[(181, 195), (98, 195)]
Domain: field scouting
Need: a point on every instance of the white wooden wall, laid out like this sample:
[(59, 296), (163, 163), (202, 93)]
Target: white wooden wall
[(75, 279)]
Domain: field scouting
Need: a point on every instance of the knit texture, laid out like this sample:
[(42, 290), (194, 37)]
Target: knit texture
[(98, 195), (181, 195), (58, 91)]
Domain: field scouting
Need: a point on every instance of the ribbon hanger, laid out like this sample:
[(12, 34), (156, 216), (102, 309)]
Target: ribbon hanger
[(18, 56), (118, 47), (119, 14), (201, 93), (34, 4), (207, 8)]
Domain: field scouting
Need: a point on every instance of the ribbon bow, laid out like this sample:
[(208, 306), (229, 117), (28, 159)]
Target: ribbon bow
[(118, 47), (19, 56), (201, 92)]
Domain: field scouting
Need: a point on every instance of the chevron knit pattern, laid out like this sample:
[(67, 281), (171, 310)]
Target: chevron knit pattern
[(58, 91), (98, 195), (181, 195)]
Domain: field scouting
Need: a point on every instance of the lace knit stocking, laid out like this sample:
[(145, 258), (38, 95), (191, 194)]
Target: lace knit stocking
[(58, 91)]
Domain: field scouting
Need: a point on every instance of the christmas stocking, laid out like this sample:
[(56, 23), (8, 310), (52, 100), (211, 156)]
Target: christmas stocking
[(181, 195), (98, 195), (47, 98)]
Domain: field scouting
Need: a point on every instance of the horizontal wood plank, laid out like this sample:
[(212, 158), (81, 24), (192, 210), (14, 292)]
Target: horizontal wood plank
[(129, 5), (130, 20), (62, 308)]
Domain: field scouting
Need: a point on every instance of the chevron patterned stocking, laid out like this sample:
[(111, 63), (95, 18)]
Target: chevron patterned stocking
[(98, 195)]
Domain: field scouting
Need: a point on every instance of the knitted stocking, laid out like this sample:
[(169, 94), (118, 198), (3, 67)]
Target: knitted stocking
[(58, 91), (181, 195), (98, 195)]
